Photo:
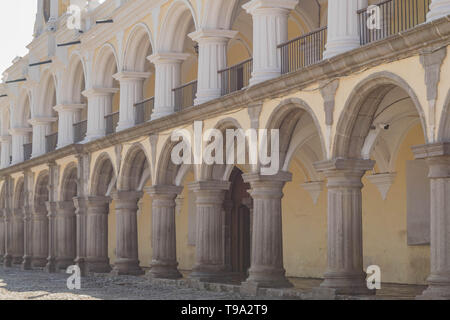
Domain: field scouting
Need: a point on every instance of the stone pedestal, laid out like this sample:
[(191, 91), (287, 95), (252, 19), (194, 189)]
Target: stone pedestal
[(127, 257), (164, 260), (65, 225), (131, 92), (345, 272), (343, 32), (210, 263), (270, 29), (99, 106), (167, 77), (438, 159), (438, 9), (266, 268), (68, 114), (97, 260), (212, 58), (40, 237)]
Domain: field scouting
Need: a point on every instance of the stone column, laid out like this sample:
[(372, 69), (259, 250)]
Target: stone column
[(42, 127), (210, 263), (438, 159), (343, 32), (212, 58), (5, 157), (164, 261), (266, 268), (19, 138), (270, 29), (345, 271), (40, 237), (2, 235), (438, 9), (99, 106), (17, 236), (167, 77), (81, 228), (7, 258), (65, 234), (68, 115), (127, 257), (28, 238), (52, 211), (97, 260), (131, 92)]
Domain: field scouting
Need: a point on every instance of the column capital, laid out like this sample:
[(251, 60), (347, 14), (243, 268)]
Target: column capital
[(69, 107), (20, 131), (426, 151), (95, 92), (168, 57), (349, 165), (42, 121), (258, 5), (5, 138), (210, 185), (131, 76), (212, 35), (163, 190), (281, 177)]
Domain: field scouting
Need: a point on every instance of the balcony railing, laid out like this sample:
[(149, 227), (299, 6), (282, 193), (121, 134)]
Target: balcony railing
[(111, 122), (79, 131), (27, 151), (303, 51), (185, 95), (143, 110), (391, 17), (236, 77), (51, 141)]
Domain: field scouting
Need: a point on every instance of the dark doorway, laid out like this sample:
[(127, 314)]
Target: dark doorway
[(238, 225)]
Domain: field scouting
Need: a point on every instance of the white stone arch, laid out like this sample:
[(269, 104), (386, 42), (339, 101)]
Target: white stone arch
[(105, 66), (75, 79), (69, 182), (103, 176), (41, 191), (444, 127), (136, 169), (218, 14), (21, 113), (175, 25), (46, 98), (135, 53), (360, 107)]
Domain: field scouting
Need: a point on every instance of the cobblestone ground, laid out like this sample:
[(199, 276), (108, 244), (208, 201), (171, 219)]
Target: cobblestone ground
[(16, 284)]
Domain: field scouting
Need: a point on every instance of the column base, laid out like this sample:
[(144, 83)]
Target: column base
[(26, 263), (125, 267), (39, 262), (50, 267), (98, 266), (17, 260), (7, 261), (210, 273), (438, 289), (267, 278), (161, 270), (347, 284), (263, 76), (81, 263), (124, 126)]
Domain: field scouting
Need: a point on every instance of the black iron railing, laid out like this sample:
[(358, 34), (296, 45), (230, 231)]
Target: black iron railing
[(236, 77), (79, 131), (303, 51), (143, 110), (185, 95), (111, 122), (51, 141), (27, 151), (391, 17)]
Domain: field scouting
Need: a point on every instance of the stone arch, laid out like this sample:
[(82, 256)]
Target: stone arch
[(106, 65), (69, 182), (139, 43), (444, 127), (22, 113), (19, 194), (103, 176), (47, 96), (219, 14), (76, 80), (357, 116), (287, 117), (173, 35), (135, 170), (41, 192)]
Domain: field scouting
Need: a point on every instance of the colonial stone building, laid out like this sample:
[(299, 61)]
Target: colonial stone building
[(361, 99)]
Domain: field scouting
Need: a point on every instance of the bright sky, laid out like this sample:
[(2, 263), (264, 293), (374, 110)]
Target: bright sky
[(16, 29)]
